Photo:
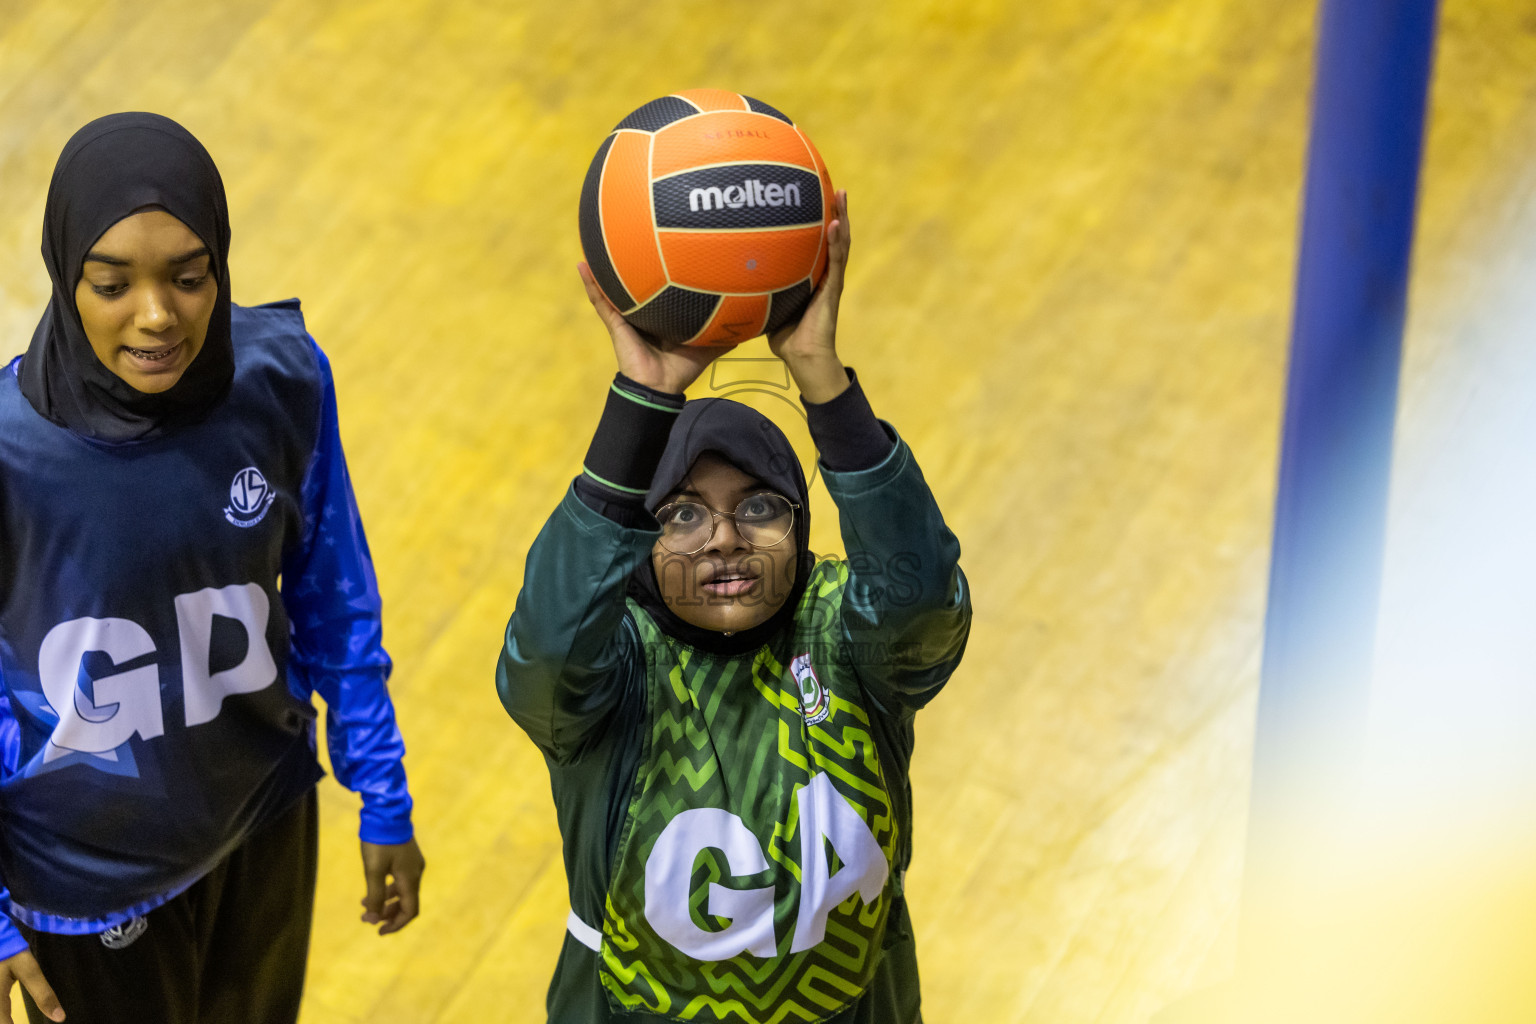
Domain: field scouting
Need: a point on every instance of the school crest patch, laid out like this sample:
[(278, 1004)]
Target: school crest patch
[(815, 702)]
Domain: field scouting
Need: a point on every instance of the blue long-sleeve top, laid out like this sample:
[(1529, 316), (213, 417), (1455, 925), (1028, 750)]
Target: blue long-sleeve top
[(335, 616), (280, 422)]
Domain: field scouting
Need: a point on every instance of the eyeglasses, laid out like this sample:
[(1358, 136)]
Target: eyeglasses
[(762, 520)]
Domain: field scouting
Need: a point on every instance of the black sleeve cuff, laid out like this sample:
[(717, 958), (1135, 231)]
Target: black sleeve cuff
[(627, 512), (625, 450), (846, 432)]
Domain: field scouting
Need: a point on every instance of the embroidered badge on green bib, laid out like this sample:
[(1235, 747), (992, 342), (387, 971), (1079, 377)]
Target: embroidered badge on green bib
[(753, 876)]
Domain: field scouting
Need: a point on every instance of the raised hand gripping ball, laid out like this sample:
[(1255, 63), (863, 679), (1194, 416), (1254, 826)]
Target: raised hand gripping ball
[(704, 218)]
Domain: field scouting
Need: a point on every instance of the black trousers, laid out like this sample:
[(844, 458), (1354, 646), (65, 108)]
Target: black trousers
[(230, 949)]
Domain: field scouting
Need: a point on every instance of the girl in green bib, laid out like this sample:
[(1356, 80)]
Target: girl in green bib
[(726, 718)]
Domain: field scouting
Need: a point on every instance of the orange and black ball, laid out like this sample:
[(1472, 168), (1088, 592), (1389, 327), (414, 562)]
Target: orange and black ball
[(704, 218)]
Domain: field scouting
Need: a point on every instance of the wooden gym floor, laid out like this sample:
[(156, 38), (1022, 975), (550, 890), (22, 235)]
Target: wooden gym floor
[(1075, 236)]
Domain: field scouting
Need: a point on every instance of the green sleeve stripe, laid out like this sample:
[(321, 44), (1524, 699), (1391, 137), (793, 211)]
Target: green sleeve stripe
[(642, 401), (617, 487)]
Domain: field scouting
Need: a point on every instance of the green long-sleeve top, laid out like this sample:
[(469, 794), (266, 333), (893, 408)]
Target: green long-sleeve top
[(736, 829)]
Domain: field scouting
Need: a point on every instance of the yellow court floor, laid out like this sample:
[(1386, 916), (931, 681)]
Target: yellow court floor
[(1070, 288)]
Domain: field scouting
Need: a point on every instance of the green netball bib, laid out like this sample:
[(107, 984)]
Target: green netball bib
[(753, 875)]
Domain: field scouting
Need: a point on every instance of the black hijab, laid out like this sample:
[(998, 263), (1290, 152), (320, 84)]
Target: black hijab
[(752, 443), (115, 166)]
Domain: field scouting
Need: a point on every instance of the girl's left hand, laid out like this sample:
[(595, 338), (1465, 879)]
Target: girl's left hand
[(809, 346), (392, 876)]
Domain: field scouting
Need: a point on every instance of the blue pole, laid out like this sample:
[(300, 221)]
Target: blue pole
[(1373, 66)]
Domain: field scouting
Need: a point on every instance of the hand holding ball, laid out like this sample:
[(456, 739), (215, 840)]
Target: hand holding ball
[(704, 218)]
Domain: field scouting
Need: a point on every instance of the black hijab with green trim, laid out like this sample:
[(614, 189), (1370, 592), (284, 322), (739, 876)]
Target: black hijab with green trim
[(114, 167), (752, 443)]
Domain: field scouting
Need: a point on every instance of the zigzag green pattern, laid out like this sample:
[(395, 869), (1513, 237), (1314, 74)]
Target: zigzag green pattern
[(852, 708), (708, 748), (674, 729), (857, 748), (668, 807), (682, 768), (620, 974), (779, 849), (787, 750)]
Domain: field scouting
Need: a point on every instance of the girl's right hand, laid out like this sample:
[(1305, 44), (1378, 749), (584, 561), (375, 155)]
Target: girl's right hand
[(23, 968), (671, 368)]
